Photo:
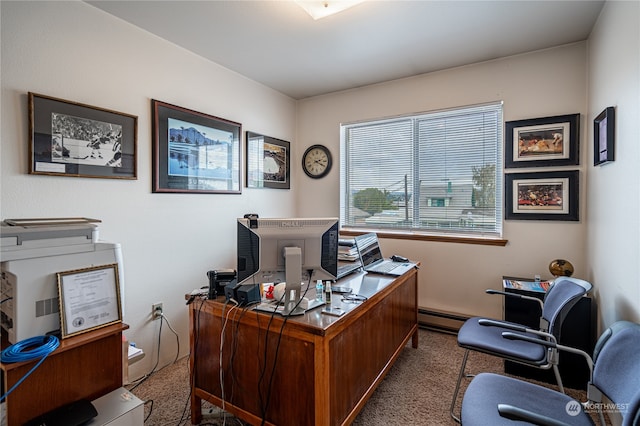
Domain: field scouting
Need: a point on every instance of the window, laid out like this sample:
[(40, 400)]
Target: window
[(437, 173)]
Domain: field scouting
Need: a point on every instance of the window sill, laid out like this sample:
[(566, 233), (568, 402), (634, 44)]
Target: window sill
[(398, 235)]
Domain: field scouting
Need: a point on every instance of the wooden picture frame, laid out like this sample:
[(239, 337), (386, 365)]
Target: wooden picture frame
[(604, 137), (268, 162), (194, 152), (72, 139), (542, 196), (543, 142), (89, 299)]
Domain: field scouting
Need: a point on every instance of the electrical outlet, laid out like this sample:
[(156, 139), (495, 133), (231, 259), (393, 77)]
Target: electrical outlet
[(156, 310)]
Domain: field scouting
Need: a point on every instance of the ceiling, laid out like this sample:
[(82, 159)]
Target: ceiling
[(279, 45)]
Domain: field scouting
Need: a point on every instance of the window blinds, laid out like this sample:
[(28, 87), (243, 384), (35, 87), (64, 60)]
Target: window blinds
[(438, 172)]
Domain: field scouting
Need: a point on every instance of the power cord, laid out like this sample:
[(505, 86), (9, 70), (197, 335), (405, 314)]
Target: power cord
[(264, 405), (164, 318), (225, 320), (27, 350), (195, 350), (144, 378)]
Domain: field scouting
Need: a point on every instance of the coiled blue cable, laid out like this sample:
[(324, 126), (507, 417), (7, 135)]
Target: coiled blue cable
[(27, 350)]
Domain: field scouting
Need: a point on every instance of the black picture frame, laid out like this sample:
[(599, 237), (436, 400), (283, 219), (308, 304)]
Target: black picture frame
[(268, 162), (543, 142), (604, 134), (542, 196), (69, 138), (194, 152)]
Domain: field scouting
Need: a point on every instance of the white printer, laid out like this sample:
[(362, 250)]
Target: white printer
[(30, 259)]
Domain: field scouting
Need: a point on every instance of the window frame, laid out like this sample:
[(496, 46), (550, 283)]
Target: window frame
[(492, 236)]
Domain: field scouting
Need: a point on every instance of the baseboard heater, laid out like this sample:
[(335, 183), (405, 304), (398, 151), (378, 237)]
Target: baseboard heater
[(448, 322)]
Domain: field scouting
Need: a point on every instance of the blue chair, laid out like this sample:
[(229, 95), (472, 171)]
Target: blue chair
[(485, 335), (493, 399)]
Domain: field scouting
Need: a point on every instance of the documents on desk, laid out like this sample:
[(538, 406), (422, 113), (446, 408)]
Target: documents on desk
[(275, 307)]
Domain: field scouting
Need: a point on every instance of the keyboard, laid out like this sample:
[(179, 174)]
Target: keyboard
[(386, 267)]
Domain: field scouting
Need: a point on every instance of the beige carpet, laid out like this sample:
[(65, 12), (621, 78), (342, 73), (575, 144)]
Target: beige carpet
[(416, 391)]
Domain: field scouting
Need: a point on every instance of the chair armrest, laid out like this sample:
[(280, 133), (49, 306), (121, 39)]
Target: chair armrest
[(551, 344), (521, 329), (514, 336), (495, 323), (516, 296), (519, 414)]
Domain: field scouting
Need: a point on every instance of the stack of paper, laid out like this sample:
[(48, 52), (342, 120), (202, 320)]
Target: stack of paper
[(347, 250)]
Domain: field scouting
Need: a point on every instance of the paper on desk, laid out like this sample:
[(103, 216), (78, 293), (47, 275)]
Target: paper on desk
[(133, 351)]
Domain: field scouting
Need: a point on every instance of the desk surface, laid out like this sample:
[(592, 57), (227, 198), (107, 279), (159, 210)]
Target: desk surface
[(326, 367), (361, 283)]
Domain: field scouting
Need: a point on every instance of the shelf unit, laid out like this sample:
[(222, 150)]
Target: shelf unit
[(86, 366)]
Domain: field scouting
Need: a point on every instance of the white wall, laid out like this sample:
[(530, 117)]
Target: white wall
[(73, 51), (613, 244), (453, 276)]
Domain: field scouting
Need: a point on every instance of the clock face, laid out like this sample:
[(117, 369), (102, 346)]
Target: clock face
[(316, 161)]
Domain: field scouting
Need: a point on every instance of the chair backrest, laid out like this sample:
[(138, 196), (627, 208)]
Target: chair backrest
[(558, 301), (616, 371)]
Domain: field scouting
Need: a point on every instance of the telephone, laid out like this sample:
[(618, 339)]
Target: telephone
[(218, 279)]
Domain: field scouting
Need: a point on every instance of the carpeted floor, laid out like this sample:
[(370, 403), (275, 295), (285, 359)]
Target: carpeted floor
[(416, 391)]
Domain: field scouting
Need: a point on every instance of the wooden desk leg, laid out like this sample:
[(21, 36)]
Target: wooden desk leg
[(196, 409), (414, 339), (196, 401)]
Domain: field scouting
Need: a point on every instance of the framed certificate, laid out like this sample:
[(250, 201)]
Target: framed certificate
[(89, 298)]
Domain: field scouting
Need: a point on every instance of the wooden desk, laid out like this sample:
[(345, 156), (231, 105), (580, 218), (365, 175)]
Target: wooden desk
[(85, 366), (312, 369)]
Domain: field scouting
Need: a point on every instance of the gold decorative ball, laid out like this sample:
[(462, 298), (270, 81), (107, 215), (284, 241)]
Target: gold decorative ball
[(561, 268)]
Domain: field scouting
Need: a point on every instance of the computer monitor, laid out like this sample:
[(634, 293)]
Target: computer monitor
[(273, 250)]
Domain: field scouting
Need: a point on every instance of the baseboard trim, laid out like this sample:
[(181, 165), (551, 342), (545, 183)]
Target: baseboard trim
[(448, 322)]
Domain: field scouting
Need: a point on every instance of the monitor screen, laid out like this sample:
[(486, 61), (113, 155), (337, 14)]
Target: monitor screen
[(291, 250)]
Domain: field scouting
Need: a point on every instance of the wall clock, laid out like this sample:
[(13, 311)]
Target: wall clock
[(316, 161)]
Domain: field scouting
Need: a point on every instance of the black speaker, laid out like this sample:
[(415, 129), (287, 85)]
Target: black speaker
[(230, 290), (248, 293)]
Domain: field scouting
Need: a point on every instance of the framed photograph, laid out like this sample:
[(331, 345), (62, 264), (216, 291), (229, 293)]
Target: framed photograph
[(73, 139), (268, 162), (89, 298), (194, 152), (604, 136), (542, 196), (549, 141)]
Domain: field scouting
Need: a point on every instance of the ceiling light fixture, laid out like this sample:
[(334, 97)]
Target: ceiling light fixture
[(323, 8)]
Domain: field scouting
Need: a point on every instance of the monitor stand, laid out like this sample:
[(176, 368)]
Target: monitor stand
[(293, 277)]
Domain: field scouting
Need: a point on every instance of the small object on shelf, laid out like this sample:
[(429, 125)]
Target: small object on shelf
[(528, 285), (561, 268)]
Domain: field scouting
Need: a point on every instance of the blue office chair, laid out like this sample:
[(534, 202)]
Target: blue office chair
[(485, 335), (614, 387)]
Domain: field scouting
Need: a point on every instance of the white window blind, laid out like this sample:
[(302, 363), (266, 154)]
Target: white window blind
[(438, 172)]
